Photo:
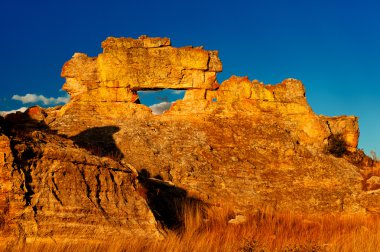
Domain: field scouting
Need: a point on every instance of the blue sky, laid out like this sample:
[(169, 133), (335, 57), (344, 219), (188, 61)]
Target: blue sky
[(332, 46)]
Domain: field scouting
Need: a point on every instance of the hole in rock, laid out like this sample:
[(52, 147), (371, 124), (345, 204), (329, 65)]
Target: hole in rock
[(160, 100)]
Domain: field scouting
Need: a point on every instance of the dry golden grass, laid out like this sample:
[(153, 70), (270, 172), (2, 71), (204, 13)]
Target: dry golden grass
[(263, 231)]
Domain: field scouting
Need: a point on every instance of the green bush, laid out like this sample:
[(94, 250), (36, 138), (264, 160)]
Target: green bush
[(337, 145)]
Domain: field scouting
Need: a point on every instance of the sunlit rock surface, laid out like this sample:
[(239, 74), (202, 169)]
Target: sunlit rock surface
[(241, 143)]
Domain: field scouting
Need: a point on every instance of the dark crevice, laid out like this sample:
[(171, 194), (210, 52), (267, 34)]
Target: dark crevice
[(113, 181), (56, 197), (97, 195), (328, 126), (35, 212), (53, 180), (55, 190), (88, 188), (119, 170), (97, 192), (27, 187), (22, 161), (167, 202)]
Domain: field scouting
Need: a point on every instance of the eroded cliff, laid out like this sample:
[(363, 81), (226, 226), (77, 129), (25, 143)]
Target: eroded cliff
[(105, 162)]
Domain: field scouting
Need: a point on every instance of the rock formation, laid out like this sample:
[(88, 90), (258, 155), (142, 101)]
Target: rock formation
[(126, 66), (91, 162), (52, 190)]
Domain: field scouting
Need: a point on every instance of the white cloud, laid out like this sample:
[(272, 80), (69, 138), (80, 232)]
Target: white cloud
[(159, 108), (177, 92), (4, 113), (33, 98)]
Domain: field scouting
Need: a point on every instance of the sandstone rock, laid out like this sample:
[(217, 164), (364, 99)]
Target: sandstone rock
[(373, 183), (36, 113), (347, 126), (240, 96), (32, 117), (199, 155), (242, 142), (66, 190), (265, 130), (6, 156), (112, 44), (11, 187), (370, 201), (81, 74), (239, 219), (143, 63), (127, 65)]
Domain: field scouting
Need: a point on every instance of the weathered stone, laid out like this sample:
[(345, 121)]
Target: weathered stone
[(36, 113), (81, 74), (5, 151), (112, 44), (66, 189), (11, 193), (128, 65), (347, 126), (239, 219), (144, 63), (370, 201), (242, 142), (373, 183), (239, 96)]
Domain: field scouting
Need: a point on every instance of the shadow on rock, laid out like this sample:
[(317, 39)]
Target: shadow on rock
[(99, 141), (170, 205), (19, 123)]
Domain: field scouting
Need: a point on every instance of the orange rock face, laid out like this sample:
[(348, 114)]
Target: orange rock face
[(107, 84), (286, 101), (51, 189), (127, 65), (104, 160), (347, 126)]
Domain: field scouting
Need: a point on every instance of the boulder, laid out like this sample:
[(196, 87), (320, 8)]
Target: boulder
[(373, 183)]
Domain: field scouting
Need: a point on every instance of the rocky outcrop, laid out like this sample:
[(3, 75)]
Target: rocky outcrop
[(347, 126), (11, 181), (239, 96), (104, 88), (108, 84), (51, 190), (128, 65), (251, 143), (373, 183), (241, 143)]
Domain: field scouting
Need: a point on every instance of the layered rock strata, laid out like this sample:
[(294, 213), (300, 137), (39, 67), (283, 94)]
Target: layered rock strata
[(129, 65), (252, 143), (53, 191), (241, 143)]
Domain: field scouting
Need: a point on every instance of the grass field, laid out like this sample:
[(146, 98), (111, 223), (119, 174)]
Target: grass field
[(262, 231)]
